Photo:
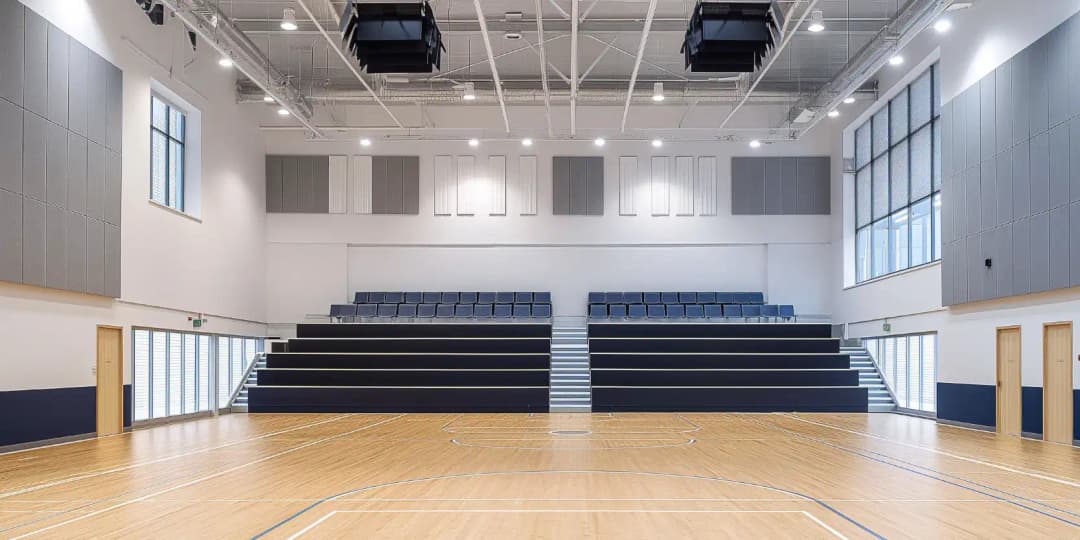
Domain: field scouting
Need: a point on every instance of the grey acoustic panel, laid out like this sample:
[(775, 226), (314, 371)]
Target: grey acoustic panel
[(1058, 245), (320, 189), (814, 187), (789, 190), (95, 181), (1003, 263), (1038, 96), (35, 63), (305, 188), (78, 90), (34, 239), (75, 252), (95, 256), (380, 184), (56, 143), (747, 186), (1040, 173), (1057, 67), (11, 145), (1021, 181), (594, 192), (1074, 244), (114, 101), (960, 274), (946, 141), (973, 200), (1021, 256), (1074, 66), (55, 247), (987, 117), (11, 51), (1059, 165), (410, 184), (1039, 236), (11, 235), (579, 186), (395, 170), (113, 186), (560, 185), (58, 76), (1020, 108), (1003, 106), (76, 173), (989, 203), (34, 145), (97, 91), (1074, 157), (988, 250), (273, 184), (973, 126), (1005, 183), (290, 181), (112, 261), (774, 186)]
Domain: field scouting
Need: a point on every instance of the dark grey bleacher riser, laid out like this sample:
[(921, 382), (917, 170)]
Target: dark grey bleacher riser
[(375, 330), (710, 330), (675, 399), (405, 345), (271, 399), (719, 361), (414, 361), (714, 345), (323, 377), (603, 377)]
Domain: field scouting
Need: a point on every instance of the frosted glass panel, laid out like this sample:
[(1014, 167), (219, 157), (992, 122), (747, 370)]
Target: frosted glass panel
[(863, 192), (881, 131), (862, 145), (898, 117), (921, 166), (898, 175), (881, 187), (921, 104)]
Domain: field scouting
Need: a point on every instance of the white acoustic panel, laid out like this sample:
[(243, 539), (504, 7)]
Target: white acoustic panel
[(706, 186), (445, 186), (497, 184), (659, 182), (527, 185), (339, 185), (360, 180), (628, 185), (467, 192), (682, 188)]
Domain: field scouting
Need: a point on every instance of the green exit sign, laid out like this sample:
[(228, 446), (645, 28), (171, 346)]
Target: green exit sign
[(196, 323)]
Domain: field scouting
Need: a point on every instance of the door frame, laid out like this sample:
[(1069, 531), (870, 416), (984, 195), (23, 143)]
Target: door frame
[(1045, 327), (997, 372), (120, 376)]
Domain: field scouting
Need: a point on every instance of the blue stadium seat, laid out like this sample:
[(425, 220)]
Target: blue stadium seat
[(598, 311), (467, 298), (485, 298), (757, 298), (725, 298), (375, 297), (449, 297), (732, 311), (752, 311), (612, 297), (714, 311), (771, 311), (444, 311), (482, 311), (744, 298), (786, 311), (360, 298), (656, 311), (695, 311), (396, 297), (522, 297), (687, 298), (340, 311), (676, 311), (406, 310), (596, 298), (387, 310), (367, 310), (635, 311), (463, 311), (651, 297), (425, 311), (522, 310), (541, 298), (504, 298), (541, 311), (669, 298), (617, 311), (413, 297), (431, 297), (631, 298), (706, 297), (503, 311)]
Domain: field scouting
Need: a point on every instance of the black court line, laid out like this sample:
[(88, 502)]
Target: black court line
[(318, 502)]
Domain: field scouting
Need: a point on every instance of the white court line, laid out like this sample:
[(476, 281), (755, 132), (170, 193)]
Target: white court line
[(319, 521), (1064, 481), (94, 474), (207, 477)]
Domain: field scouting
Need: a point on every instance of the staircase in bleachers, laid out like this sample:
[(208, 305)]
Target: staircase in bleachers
[(571, 385), (408, 367)]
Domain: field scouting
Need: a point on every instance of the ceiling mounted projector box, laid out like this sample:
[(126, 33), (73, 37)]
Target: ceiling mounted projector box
[(731, 36), (392, 38)]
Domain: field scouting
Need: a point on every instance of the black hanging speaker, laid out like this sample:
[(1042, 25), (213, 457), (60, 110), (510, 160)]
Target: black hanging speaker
[(392, 38), (731, 36)]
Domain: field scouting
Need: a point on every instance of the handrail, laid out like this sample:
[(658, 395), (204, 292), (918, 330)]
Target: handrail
[(244, 378), (881, 374)]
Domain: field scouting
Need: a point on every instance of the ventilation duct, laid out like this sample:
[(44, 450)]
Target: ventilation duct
[(731, 36), (392, 38)]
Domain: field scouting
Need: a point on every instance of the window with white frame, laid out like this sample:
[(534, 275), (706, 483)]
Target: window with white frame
[(898, 181), (909, 366), (168, 126), (174, 373)]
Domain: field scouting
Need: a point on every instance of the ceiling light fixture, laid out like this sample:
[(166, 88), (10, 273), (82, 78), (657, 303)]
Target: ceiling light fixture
[(526, 142), (365, 142), (225, 62), (288, 20), (957, 6), (896, 60), (833, 113), (658, 92), (468, 92), (942, 25), (817, 21), (283, 111), (268, 98), (849, 100), (755, 144), (599, 141), (657, 143), (474, 142)]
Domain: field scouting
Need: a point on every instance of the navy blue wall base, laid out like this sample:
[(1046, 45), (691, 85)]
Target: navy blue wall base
[(28, 416), (1031, 409), (668, 399), (357, 399), (967, 403)]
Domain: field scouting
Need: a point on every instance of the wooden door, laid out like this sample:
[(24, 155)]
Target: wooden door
[(110, 380), (1008, 380), (1057, 383)]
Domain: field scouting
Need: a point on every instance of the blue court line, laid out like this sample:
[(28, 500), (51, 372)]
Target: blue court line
[(820, 502), (920, 473)]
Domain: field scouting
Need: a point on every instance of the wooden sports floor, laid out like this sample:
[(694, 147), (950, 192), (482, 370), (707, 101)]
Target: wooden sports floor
[(556, 476)]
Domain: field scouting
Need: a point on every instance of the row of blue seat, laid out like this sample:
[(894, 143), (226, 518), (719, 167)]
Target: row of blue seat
[(415, 297), (690, 311), (676, 298), (441, 311)]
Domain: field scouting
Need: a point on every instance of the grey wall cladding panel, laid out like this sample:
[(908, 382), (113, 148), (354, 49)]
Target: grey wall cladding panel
[(273, 184), (1003, 107), (1057, 66), (1040, 173), (11, 146), (1003, 263), (1074, 66), (594, 190), (774, 185), (1059, 165), (113, 186), (34, 238), (77, 162), (78, 86), (973, 200), (56, 164), (59, 50), (560, 185), (1021, 256), (305, 189), (55, 247), (973, 125), (114, 114), (1059, 248), (1021, 181), (789, 191), (112, 260), (395, 170), (1038, 96), (988, 117), (410, 184), (97, 91), (579, 186), (989, 202), (747, 186), (11, 51), (1039, 236), (76, 252), (1020, 108), (1074, 158), (814, 191), (95, 181), (320, 185), (95, 256), (35, 63), (11, 236), (34, 149), (1005, 185), (1074, 244), (290, 181), (380, 184)]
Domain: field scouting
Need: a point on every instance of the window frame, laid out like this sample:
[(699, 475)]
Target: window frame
[(170, 189), (913, 392)]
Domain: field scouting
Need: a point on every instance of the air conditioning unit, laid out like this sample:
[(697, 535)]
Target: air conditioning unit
[(392, 37), (731, 36)]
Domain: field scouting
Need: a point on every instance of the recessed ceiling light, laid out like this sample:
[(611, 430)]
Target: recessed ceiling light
[(599, 141), (268, 98), (468, 93), (849, 100), (896, 60), (833, 113), (365, 142), (474, 142), (658, 92), (526, 142), (817, 21), (513, 36), (942, 25), (225, 62), (755, 143), (283, 111), (657, 143), (288, 20)]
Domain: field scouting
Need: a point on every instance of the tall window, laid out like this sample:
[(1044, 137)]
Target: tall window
[(173, 372), (898, 182), (167, 129), (909, 367)]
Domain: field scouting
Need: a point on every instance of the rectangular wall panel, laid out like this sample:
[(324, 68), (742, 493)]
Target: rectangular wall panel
[(290, 184), (774, 185), (1021, 257), (320, 193), (78, 90), (1074, 244), (579, 186), (682, 190), (1040, 173), (445, 182), (527, 188), (11, 51), (467, 192), (1059, 165), (707, 199), (360, 184), (55, 247), (305, 190), (395, 180), (56, 165), (338, 186), (594, 189), (113, 185), (95, 181), (97, 88), (988, 205), (274, 184), (380, 184), (35, 63), (1074, 156), (628, 184), (988, 117), (658, 182), (34, 144), (58, 76), (1057, 65), (11, 235), (497, 184), (1002, 108), (114, 100), (814, 186), (34, 239), (560, 185), (410, 184), (11, 146), (789, 191), (112, 261), (1058, 245), (1038, 95), (95, 256), (76, 252), (76, 195), (747, 186)]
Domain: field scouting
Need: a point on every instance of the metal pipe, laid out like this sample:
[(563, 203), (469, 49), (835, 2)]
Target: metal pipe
[(637, 63), (491, 60), (573, 65), (543, 68)]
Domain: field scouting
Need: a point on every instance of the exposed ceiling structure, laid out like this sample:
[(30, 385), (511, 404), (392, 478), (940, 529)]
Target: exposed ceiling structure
[(593, 50)]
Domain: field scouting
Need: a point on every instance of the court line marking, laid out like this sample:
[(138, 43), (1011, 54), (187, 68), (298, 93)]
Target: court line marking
[(207, 477), (93, 474), (324, 518), (687, 442), (448, 428), (1040, 476)]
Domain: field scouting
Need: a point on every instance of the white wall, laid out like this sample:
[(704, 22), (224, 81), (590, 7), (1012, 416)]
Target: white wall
[(172, 265)]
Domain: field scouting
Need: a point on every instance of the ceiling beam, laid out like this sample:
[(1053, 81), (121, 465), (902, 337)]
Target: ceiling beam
[(637, 63), (491, 60), (543, 69), (574, 21)]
